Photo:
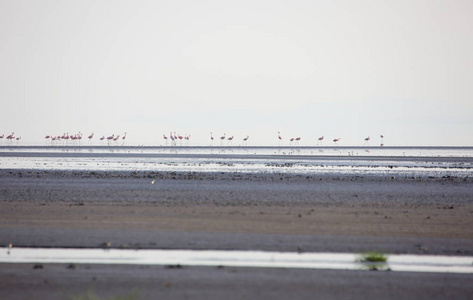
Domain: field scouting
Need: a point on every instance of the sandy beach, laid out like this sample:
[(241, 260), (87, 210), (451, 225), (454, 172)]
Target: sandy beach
[(231, 211)]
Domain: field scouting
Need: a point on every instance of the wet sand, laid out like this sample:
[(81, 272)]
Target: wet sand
[(63, 281), (276, 212)]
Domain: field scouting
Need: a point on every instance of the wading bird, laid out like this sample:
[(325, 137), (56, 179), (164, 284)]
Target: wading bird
[(123, 139), (10, 137), (279, 138), (47, 138), (79, 137), (115, 139), (110, 138), (90, 137)]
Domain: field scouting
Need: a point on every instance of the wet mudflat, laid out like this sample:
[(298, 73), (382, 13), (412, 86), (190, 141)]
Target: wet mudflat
[(64, 281), (233, 204), (273, 211)]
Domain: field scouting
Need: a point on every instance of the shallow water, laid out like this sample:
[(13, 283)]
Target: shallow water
[(261, 259), (386, 161), (243, 150)]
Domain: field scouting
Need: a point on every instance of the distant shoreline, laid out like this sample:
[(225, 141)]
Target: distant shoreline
[(86, 146)]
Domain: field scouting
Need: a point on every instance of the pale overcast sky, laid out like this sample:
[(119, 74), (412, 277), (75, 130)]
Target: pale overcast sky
[(347, 69)]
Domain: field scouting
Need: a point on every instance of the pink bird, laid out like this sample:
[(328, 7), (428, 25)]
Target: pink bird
[(11, 137), (211, 139), (245, 140), (124, 138), (230, 139), (110, 138)]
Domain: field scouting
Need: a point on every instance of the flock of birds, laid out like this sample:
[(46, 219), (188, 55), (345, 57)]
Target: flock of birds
[(10, 138), (173, 138), (77, 138), (335, 140)]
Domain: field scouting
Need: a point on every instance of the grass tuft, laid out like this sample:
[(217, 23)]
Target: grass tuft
[(374, 261), (373, 257)]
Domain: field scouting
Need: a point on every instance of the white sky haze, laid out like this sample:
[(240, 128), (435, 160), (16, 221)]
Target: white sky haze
[(347, 69)]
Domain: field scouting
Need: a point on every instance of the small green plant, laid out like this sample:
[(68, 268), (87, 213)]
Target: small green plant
[(92, 296), (374, 261), (374, 257)]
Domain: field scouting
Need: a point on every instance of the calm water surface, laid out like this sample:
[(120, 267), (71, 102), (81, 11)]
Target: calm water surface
[(261, 259), (398, 161)]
